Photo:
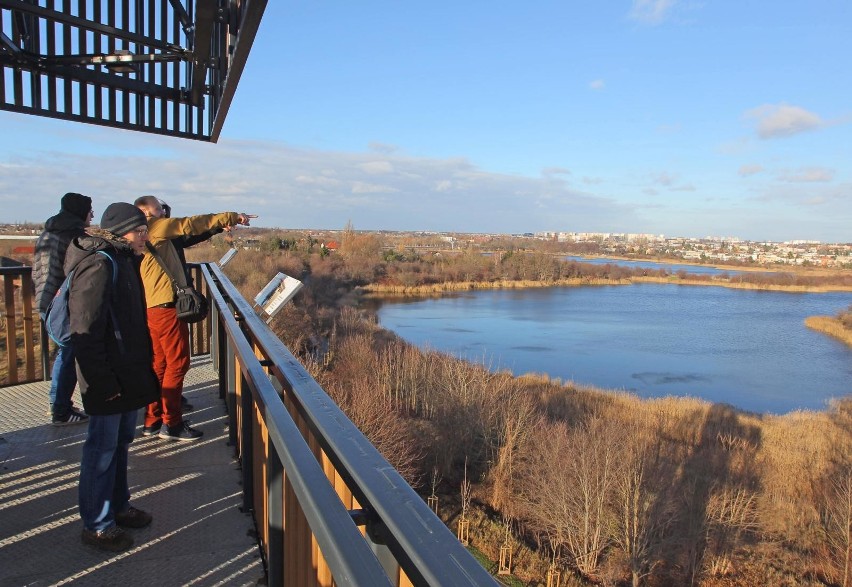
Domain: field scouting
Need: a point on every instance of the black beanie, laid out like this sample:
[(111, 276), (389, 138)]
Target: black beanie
[(77, 204), (121, 217)]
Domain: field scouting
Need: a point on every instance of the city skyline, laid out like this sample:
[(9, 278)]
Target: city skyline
[(665, 116)]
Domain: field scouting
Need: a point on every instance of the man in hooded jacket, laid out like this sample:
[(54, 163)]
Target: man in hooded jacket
[(48, 274), (109, 335)]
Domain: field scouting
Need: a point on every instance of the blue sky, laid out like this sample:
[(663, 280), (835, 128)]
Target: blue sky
[(673, 117)]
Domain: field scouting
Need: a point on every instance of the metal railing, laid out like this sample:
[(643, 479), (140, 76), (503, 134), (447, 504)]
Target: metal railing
[(329, 508)]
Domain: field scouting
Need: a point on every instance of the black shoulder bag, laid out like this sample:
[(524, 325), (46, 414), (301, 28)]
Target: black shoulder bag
[(190, 305)]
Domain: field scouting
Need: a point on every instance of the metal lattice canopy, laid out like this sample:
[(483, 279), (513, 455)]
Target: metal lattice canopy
[(169, 67)]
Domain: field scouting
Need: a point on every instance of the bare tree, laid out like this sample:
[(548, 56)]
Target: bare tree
[(519, 418), (568, 499), (731, 514), (642, 502)]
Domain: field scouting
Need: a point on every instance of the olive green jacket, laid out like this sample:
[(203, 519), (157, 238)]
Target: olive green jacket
[(158, 286)]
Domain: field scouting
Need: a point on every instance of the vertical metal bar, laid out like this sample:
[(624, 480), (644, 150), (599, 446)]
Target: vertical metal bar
[(51, 50), (175, 71), (97, 47), (67, 49), (247, 442), (275, 519), (82, 40), (18, 86), (163, 68), (217, 333), (35, 74), (151, 70), (45, 352), (231, 383), (112, 93)]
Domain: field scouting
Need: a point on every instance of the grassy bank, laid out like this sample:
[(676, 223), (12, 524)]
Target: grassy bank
[(670, 491), (831, 326), (456, 286)]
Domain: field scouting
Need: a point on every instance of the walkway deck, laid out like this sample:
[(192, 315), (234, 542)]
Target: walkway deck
[(198, 537)]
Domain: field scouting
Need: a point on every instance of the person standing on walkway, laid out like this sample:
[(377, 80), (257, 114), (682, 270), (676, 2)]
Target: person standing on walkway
[(170, 336), (74, 217), (109, 335), (181, 243)]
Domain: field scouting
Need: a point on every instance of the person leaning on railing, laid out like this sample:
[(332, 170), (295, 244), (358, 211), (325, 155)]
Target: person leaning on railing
[(169, 335), (74, 217)]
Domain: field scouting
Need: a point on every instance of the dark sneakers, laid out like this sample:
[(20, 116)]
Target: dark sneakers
[(73, 416), (153, 429), (180, 432), (133, 518), (113, 539)]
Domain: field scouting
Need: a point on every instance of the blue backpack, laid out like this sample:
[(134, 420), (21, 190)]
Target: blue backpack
[(57, 321)]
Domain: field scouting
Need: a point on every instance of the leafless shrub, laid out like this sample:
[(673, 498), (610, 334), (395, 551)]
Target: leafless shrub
[(567, 495)]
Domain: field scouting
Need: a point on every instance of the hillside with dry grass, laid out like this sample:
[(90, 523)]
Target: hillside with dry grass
[(603, 487)]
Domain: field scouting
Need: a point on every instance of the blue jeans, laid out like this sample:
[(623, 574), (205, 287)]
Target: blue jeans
[(62, 382), (103, 470)]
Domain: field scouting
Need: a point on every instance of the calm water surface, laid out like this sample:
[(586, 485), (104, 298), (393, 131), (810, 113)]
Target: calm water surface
[(746, 348)]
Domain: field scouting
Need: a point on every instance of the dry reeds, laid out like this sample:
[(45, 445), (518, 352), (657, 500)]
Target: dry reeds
[(833, 327)]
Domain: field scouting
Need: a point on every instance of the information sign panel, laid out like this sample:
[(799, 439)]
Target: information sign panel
[(227, 257), (276, 293)]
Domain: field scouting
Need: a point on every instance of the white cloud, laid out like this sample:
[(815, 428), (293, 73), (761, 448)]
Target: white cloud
[(383, 148), (748, 170), (652, 11), (551, 171), (597, 84), (377, 167), (292, 188), (664, 178), (781, 120), (807, 175), (360, 187)]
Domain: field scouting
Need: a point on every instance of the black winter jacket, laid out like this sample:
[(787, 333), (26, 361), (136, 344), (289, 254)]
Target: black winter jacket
[(107, 367), (49, 258)]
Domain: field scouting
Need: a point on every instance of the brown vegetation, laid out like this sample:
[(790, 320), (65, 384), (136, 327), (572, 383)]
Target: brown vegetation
[(839, 327), (614, 489)]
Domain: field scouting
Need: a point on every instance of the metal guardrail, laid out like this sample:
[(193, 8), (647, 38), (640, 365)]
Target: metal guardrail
[(329, 508)]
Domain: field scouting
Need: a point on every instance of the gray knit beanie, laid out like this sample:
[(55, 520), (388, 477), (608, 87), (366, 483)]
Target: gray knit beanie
[(120, 218)]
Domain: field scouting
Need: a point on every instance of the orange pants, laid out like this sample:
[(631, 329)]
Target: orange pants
[(170, 338)]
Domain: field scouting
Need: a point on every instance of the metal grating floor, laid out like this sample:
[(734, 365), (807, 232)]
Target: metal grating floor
[(198, 537)]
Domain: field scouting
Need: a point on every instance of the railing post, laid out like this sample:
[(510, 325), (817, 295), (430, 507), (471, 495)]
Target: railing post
[(217, 333), (275, 519), (247, 443), (11, 338), (45, 351), (228, 382)]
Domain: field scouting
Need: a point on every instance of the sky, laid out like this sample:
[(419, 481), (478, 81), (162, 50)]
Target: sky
[(674, 117)]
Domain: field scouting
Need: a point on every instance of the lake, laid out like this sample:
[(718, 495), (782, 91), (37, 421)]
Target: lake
[(746, 348)]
